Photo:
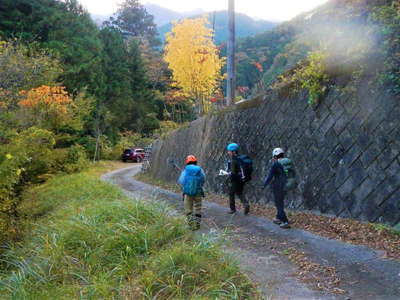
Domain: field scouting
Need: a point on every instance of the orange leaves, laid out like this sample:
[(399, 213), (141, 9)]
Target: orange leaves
[(47, 107), (52, 97), (259, 67)]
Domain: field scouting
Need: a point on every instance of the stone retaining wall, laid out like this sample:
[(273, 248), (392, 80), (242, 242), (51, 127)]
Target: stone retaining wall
[(346, 150)]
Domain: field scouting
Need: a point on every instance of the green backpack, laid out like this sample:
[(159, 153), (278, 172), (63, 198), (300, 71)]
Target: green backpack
[(290, 173)]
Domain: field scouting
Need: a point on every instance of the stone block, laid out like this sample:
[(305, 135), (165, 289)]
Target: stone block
[(346, 140), (337, 109), (335, 203), (341, 124), (352, 155), (335, 157), (369, 208), (375, 173), (342, 174), (393, 181), (364, 140), (357, 173), (370, 154), (354, 125), (327, 124), (391, 209), (361, 192), (346, 188)]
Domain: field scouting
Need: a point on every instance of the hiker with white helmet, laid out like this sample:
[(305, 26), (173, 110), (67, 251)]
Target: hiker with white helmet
[(283, 178)]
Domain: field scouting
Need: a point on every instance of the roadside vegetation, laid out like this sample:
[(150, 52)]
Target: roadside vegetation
[(72, 92), (84, 238)]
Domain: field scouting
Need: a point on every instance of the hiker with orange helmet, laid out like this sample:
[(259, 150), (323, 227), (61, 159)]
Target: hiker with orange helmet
[(192, 180)]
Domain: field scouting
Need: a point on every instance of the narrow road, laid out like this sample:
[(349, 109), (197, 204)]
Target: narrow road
[(257, 244)]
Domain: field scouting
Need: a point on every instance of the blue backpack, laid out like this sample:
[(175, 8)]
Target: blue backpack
[(192, 180)]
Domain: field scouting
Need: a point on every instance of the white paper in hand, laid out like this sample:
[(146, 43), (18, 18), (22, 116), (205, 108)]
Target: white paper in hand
[(223, 173)]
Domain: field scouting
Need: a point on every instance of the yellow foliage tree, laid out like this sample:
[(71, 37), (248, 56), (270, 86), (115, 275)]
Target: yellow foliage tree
[(194, 60)]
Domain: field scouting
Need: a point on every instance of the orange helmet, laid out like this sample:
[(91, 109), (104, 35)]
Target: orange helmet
[(190, 159)]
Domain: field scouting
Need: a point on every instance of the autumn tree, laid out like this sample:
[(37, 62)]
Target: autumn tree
[(24, 67), (46, 106), (195, 62)]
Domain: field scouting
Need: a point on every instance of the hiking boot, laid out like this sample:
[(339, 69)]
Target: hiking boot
[(285, 225), (246, 210), (231, 212), (277, 221), (196, 223)]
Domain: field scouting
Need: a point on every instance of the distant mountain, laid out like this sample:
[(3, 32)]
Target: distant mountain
[(245, 26), (161, 15), (164, 15)]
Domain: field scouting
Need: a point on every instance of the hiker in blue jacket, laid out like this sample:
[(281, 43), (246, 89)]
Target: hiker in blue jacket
[(278, 178), (192, 180)]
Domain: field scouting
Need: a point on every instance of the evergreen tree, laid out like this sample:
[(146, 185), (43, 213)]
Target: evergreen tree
[(133, 19), (64, 27)]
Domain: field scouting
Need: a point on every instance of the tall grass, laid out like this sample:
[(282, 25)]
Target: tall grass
[(86, 240)]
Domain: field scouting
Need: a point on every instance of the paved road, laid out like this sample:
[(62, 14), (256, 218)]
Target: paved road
[(255, 242)]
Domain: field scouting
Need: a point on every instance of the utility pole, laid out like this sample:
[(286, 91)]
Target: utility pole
[(231, 80), (214, 13)]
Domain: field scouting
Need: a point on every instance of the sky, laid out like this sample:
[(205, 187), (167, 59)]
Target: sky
[(276, 10)]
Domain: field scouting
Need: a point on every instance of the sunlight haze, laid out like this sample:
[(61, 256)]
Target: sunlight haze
[(264, 9)]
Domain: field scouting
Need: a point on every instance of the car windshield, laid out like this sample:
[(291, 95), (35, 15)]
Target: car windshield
[(139, 151), (127, 151)]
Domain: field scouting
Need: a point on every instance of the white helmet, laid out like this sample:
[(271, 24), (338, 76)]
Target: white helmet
[(277, 151)]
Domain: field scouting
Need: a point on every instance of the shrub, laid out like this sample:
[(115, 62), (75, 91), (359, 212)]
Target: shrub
[(10, 177), (312, 76), (23, 160), (69, 160), (25, 67), (30, 158), (388, 17)]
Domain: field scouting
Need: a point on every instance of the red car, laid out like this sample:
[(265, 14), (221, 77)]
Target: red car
[(135, 154)]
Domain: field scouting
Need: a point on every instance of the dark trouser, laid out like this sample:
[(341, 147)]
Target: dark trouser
[(237, 189), (279, 196)]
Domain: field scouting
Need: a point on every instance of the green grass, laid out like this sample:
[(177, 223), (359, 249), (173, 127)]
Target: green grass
[(386, 228), (86, 240)]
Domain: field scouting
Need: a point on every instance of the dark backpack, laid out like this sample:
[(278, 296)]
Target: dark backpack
[(290, 173), (246, 167)]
